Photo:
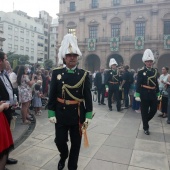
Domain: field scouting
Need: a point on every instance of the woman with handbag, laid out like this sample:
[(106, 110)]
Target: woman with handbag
[(163, 90)]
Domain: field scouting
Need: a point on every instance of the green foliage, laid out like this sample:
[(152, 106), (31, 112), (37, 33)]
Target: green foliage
[(21, 59), (48, 64)]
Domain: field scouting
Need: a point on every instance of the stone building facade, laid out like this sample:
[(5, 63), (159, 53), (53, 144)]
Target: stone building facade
[(120, 29)]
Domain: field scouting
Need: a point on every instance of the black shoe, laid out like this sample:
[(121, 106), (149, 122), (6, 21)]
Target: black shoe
[(119, 110), (61, 165), (103, 103), (110, 109), (11, 161), (146, 132)]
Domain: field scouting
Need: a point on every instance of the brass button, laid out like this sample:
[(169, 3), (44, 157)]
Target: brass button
[(63, 82), (78, 73), (75, 108), (77, 91), (62, 73), (63, 107)]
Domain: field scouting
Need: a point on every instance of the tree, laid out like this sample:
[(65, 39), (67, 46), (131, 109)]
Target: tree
[(21, 59), (48, 64)]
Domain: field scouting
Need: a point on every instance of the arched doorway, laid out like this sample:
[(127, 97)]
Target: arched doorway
[(136, 62), (163, 61), (118, 59), (92, 63)]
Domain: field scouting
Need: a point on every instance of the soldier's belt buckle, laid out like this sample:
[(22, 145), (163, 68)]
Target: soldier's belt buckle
[(67, 102)]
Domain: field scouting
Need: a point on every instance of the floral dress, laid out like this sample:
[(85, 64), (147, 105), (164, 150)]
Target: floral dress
[(25, 92)]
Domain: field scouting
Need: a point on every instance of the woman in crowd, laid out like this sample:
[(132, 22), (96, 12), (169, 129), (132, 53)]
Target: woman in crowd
[(163, 89), (37, 104), (46, 83), (6, 142), (168, 90), (25, 92)]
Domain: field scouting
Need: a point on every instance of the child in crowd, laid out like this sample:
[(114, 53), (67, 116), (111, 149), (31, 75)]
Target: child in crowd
[(37, 91)]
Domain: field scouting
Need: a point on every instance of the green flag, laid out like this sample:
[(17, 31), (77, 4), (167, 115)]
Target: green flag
[(139, 42), (166, 41), (91, 44)]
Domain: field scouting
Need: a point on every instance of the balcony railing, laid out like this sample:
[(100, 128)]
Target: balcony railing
[(124, 39)]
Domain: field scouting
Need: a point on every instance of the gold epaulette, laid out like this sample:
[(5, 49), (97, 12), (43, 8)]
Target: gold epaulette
[(60, 67)]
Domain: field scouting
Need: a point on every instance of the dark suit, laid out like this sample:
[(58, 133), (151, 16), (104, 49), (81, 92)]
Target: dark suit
[(67, 115), (100, 86), (4, 96), (148, 96), (113, 81)]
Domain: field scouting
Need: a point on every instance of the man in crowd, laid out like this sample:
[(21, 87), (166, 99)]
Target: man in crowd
[(113, 82), (126, 82), (99, 82), (6, 93), (147, 89), (70, 102)]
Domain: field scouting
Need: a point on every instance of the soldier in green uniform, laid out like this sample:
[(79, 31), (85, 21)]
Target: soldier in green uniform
[(113, 83), (70, 102), (147, 90)]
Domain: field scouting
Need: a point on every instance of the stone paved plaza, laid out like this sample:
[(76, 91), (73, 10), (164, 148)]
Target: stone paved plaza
[(117, 142)]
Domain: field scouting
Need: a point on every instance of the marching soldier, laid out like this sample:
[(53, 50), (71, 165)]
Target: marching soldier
[(70, 102), (113, 82), (147, 90)]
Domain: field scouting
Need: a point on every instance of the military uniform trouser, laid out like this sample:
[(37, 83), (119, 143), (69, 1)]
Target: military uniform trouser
[(114, 89), (61, 143), (148, 110)]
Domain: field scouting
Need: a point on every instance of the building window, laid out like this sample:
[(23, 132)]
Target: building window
[(15, 47), (9, 37), (9, 27), (32, 34), (94, 4), (22, 48), (16, 29), (9, 46), (13, 20), (27, 49), (140, 29), (52, 45), (22, 39), (93, 32), (139, 1), (166, 27), (27, 33), (72, 6), (115, 30), (27, 41), (72, 31), (32, 43), (45, 33), (22, 31), (16, 38), (46, 49), (116, 2)]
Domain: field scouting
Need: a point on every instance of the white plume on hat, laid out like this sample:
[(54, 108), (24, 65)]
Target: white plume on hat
[(112, 61), (69, 46), (148, 55)]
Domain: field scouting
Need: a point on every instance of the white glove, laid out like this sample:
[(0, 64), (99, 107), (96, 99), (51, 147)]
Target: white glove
[(137, 99), (88, 121), (53, 119), (107, 89), (159, 98)]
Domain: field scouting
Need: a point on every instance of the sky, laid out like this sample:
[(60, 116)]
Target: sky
[(31, 7)]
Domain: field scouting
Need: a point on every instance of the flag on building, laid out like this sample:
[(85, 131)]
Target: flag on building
[(91, 44), (166, 41), (114, 44), (139, 42)]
